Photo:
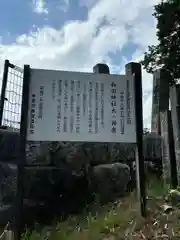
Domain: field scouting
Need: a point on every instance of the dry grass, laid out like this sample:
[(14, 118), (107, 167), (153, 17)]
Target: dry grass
[(109, 221), (119, 220)]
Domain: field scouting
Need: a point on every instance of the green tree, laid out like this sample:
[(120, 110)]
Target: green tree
[(166, 54)]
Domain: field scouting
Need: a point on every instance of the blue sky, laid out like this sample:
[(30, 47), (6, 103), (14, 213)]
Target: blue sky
[(76, 34)]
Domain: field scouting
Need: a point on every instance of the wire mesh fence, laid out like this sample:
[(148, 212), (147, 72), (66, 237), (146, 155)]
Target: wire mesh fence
[(10, 118), (13, 98)]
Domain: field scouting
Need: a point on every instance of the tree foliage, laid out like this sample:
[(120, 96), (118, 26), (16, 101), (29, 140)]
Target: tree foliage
[(166, 54)]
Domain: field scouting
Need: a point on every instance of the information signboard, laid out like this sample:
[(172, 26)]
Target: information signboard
[(72, 106), (78, 106)]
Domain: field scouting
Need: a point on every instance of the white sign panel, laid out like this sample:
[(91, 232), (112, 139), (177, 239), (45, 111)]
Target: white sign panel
[(87, 107)]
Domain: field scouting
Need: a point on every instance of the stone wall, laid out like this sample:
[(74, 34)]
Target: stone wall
[(71, 158)]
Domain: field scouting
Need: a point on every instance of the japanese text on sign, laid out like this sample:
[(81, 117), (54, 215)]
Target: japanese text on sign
[(72, 106)]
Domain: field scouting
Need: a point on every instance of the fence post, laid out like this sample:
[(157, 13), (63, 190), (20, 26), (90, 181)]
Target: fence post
[(175, 110), (3, 90), (134, 70), (160, 99), (22, 153), (168, 152)]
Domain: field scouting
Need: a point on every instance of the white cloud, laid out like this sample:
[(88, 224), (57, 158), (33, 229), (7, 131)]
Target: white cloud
[(39, 6), (109, 40), (64, 5), (79, 45)]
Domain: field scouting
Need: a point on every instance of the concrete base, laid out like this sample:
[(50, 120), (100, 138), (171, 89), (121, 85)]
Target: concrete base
[(5, 214), (7, 235)]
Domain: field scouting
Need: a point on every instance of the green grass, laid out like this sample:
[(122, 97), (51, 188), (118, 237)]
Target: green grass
[(155, 187), (111, 221)]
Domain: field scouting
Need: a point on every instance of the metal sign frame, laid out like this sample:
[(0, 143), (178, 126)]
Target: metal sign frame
[(134, 69)]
